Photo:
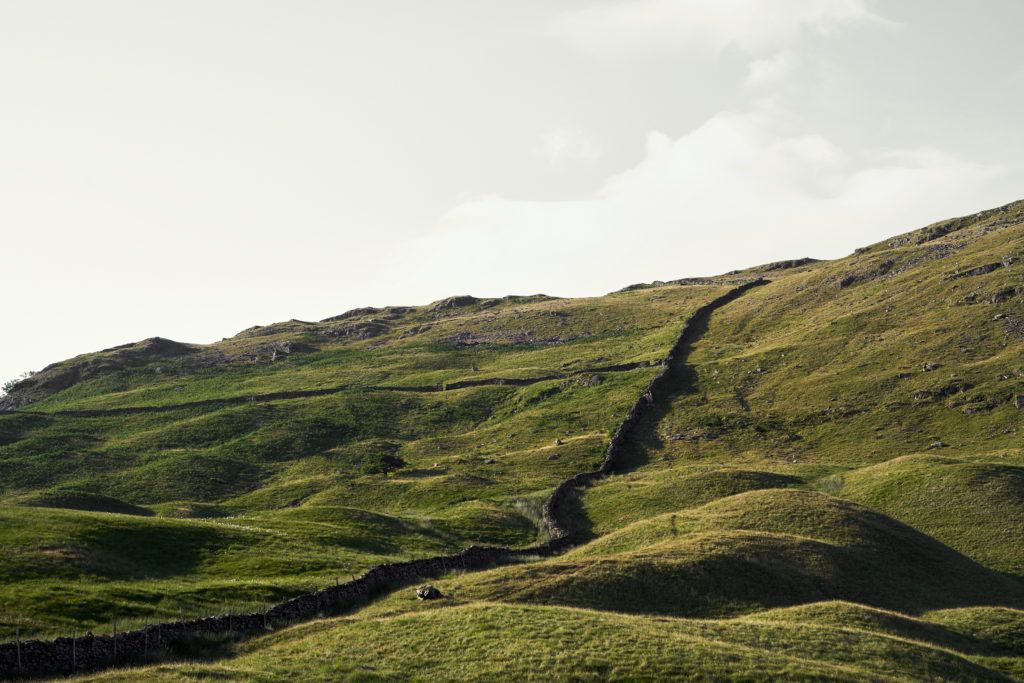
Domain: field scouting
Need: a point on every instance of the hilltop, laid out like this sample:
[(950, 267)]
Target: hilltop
[(831, 486)]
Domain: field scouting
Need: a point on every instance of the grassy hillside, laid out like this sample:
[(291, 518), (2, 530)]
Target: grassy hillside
[(238, 503), (488, 641), (834, 488)]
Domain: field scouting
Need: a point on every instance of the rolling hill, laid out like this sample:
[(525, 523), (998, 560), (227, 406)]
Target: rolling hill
[(828, 483)]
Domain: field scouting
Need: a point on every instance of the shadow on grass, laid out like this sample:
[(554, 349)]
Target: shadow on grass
[(142, 552), (642, 440), (681, 381)]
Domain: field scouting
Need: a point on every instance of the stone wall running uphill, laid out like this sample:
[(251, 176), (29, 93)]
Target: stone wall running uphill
[(62, 656)]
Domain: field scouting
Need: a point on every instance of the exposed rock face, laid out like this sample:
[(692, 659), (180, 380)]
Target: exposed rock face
[(13, 402), (865, 274), (954, 388), (360, 330), (1002, 295), (973, 272), (454, 302), (786, 265), (428, 592), (369, 310)]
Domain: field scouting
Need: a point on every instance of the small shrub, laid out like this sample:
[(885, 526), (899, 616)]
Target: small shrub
[(381, 463), (6, 387)]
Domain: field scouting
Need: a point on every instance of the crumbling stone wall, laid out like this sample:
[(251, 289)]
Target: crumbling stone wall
[(554, 511), (310, 393), (63, 656)]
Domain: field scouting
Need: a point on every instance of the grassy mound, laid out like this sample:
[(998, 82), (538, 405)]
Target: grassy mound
[(502, 642), (69, 568), (81, 500), (626, 499), (975, 507), (757, 550)]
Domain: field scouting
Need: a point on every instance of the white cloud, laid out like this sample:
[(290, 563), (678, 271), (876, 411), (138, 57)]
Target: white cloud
[(770, 72), (564, 145), (732, 193), (644, 26)]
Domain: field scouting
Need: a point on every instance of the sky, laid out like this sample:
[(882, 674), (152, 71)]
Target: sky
[(188, 169)]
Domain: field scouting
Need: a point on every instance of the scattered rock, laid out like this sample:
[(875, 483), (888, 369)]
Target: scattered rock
[(360, 330), (1018, 401), (953, 388), (999, 316), (939, 444), (928, 367), (865, 274), (428, 592), (972, 272), (786, 265), (1002, 295), (977, 408)]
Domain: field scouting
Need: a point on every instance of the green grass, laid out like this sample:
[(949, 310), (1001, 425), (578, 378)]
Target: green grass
[(975, 507), (752, 551), (489, 641), (787, 512), (288, 481)]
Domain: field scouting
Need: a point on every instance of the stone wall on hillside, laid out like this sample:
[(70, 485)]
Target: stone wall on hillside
[(63, 656)]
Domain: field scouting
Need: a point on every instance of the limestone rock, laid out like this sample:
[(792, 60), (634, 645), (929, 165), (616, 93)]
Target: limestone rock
[(428, 592)]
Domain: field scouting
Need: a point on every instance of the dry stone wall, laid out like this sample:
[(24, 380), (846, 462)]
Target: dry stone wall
[(310, 393), (63, 656)]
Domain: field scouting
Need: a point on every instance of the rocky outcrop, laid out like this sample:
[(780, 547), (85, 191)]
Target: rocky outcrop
[(865, 274), (453, 302), (787, 265), (360, 330), (60, 376), (368, 310), (704, 281), (977, 270)]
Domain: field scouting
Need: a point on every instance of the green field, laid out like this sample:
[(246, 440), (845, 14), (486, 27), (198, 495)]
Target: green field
[(833, 490)]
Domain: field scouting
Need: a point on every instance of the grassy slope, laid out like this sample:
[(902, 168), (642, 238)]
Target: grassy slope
[(738, 543), (238, 504), (503, 642)]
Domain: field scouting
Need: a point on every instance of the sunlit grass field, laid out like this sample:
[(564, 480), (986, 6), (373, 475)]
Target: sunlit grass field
[(833, 490)]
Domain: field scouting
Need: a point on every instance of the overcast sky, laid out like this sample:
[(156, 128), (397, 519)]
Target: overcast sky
[(188, 169)]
